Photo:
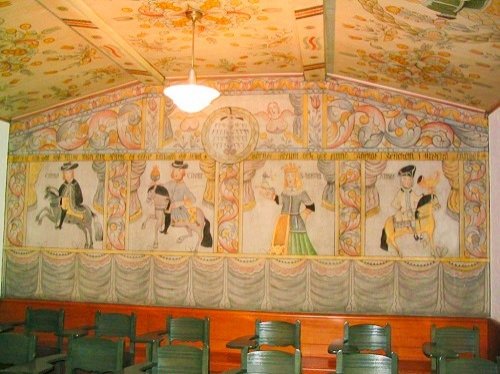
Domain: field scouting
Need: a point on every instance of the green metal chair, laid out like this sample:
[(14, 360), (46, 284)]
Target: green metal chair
[(277, 334), (45, 321), (179, 330), (273, 362), (268, 362), (456, 340), (117, 326), (16, 349), (368, 337), (175, 359), (188, 329), (468, 366), (366, 363), (95, 355), (268, 334)]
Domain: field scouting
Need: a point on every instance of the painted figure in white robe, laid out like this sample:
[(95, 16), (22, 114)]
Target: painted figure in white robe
[(180, 197), (406, 200)]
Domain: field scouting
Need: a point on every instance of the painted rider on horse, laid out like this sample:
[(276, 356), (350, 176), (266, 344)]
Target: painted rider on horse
[(406, 200), (70, 193), (179, 195)]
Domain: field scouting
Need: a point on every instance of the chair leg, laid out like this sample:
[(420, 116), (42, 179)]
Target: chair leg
[(434, 368)]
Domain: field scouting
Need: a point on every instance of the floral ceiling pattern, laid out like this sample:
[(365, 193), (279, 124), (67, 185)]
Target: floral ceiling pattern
[(55, 51)]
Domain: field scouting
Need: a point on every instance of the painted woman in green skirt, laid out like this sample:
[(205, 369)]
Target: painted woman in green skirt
[(290, 233)]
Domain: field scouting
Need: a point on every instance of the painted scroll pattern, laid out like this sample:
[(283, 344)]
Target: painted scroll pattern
[(229, 209), (113, 128), (475, 209), (16, 187), (117, 204), (350, 208), (356, 124)]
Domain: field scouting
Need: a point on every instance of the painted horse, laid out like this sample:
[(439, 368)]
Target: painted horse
[(158, 196), (425, 225), (53, 213)]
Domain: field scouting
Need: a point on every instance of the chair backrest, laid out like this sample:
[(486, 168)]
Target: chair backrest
[(468, 366), (188, 329), (458, 339), (278, 333), (272, 362), (366, 363), (95, 354), (17, 348), (368, 337), (117, 325), (181, 359), (46, 320)]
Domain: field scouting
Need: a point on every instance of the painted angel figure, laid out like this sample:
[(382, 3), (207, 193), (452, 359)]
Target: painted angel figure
[(275, 119)]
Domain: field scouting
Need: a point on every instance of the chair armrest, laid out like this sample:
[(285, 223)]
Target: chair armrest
[(8, 326), (74, 333), (139, 368), (87, 327), (235, 371), (37, 366), (434, 350), (52, 359), (335, 346), (151, 339), (340, 344), (151, 336), (250, 341)]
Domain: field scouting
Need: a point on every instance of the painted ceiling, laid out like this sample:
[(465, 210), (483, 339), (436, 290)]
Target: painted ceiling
[(55, 51)]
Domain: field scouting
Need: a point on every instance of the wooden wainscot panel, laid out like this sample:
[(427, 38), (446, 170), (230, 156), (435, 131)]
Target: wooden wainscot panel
[(318, 330), (493, 339)]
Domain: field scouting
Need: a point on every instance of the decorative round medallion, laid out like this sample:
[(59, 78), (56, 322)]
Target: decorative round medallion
[(230, 134)]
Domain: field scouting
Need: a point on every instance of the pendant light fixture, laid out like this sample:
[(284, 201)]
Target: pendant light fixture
[(191, 97)]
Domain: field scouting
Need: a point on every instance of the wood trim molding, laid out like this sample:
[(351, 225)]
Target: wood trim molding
[(318, 330)]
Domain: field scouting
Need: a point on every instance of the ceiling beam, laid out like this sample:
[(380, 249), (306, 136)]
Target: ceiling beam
[(329, 28), (108, 41), (310, 28)]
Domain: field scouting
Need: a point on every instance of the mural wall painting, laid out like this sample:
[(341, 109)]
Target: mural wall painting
[(266, 201), (412, 213), (61, 213), (175, 214), (288, 209)]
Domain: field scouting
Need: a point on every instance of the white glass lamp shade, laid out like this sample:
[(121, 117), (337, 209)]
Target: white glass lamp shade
[(191, 97)]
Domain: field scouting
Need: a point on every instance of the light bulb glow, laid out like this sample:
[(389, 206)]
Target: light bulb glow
[(191, 97)]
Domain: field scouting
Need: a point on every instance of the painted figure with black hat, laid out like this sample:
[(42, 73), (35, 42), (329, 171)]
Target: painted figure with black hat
[(70, 194), (406, 200), (180, 195), (175, 207)]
